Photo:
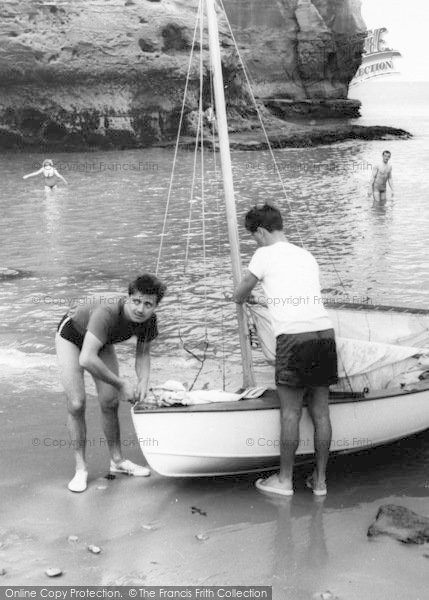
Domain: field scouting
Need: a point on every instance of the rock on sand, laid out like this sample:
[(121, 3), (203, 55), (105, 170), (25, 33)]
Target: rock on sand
[(400, 523)]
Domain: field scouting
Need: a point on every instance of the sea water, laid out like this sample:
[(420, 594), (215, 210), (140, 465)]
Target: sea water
[(112, 222)]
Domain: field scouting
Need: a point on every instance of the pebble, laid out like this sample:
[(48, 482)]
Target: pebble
[(151, 526), (325, 596), (202, 537), (53, 572), (73, 538), (101, 487), (94, 549), (2, 572)]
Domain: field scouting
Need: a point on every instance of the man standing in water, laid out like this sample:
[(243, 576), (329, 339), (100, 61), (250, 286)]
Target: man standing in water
[(306, 360), (85, 341), (381, 174)]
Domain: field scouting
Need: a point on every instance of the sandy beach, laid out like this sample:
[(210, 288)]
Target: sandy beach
[(147, 528)]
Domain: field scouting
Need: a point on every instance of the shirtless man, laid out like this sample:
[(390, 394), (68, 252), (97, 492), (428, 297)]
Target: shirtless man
[(381, 174), (85, 341), (50, 175)]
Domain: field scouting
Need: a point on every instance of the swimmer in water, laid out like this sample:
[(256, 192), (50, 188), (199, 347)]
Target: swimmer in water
[(50, 174), (381, 174)]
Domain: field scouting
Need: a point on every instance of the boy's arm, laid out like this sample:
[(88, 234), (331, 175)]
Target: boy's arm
[(390, 180), (371, 183), (142, 368), (33, 174), (90, 360), (60, 176), (246, 285)]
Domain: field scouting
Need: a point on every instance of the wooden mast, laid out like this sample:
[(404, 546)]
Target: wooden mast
[(225, 158)]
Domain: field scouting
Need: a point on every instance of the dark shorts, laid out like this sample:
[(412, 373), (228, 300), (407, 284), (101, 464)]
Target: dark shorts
[(67, 330), (306, 359)]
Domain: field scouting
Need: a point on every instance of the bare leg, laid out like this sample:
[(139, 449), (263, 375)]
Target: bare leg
[(108, 398), (291, 401), (376, 195), (71, 375), (318, 408)]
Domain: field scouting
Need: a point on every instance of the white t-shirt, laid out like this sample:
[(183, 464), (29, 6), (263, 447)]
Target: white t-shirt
[(290, 279)]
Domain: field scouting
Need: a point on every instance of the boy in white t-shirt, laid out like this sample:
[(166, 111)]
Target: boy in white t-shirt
[(306, 360)]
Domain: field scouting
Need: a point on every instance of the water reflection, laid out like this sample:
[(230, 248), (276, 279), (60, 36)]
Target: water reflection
[(54, 221), (300, 553)]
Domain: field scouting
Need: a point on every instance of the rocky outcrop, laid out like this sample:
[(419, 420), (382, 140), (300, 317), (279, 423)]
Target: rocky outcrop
[(111, 73), (303, 50), (400, 523), (301, 135)]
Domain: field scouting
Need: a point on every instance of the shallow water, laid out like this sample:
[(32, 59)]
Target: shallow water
[(106, 226)]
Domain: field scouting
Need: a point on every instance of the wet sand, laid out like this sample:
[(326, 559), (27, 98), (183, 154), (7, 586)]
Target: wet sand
[(147, 527)]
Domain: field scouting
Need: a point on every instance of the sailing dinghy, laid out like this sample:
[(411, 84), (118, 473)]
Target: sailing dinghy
[(382, 396)]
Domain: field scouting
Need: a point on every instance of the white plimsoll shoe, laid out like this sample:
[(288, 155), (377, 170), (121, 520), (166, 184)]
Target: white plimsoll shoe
[(79, 483), (126, 467)]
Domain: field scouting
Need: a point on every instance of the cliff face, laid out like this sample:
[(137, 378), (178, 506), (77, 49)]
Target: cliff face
[(302, 53), (80, 73)]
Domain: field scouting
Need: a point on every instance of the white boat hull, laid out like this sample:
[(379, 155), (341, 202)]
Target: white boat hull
[(220, 440), (241, 437)]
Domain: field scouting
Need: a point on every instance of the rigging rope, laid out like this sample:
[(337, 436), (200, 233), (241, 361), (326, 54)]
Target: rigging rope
[(241, 61), (199, 142), (176, 149), (212, 123), (274, 159)]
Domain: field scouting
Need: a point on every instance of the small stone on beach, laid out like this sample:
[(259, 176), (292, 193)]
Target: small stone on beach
[(101, 487), (202, 537), (196, 510), (53, 572), (73, 538), (94, 549), (2, 572), (325, 596)]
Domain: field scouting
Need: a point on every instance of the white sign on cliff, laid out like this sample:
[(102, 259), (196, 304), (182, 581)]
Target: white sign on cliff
[(377, 58)]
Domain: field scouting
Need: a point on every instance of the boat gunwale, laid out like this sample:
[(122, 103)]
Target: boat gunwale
[(269, 401), (376, 307)]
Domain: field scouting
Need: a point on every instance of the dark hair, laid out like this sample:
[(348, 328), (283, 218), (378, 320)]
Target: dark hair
[(266, 216), (387, 152), (148, 284)]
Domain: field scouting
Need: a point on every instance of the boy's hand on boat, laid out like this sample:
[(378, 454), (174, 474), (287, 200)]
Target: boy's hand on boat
[(140, 392), (127, 392)]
